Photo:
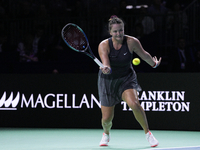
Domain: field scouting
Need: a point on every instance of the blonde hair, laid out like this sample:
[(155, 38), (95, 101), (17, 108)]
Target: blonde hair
[(114, 20)]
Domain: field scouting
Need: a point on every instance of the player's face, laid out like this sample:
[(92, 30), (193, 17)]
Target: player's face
[(117, 31)]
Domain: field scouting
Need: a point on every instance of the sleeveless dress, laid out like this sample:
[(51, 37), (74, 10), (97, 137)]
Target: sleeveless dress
[(123, 77)]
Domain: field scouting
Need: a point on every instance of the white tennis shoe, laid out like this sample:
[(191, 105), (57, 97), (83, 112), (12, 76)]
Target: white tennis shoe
[(151, 139), (105, 139)]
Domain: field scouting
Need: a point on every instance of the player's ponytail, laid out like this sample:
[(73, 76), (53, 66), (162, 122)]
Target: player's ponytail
[(113, 16)]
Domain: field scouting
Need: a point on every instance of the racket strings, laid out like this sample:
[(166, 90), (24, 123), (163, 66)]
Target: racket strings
[(75, 38)]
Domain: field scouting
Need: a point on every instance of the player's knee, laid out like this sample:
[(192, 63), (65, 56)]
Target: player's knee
[(134, 105), (107, 120)]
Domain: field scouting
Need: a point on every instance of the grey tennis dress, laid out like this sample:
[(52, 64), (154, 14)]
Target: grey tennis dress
[(123, 77)]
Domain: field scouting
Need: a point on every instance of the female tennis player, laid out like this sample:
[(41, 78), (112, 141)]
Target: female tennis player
[(117, 80)]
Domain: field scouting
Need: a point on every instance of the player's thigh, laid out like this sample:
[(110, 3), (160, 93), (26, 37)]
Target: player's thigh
[(107, 112), (130, 96)]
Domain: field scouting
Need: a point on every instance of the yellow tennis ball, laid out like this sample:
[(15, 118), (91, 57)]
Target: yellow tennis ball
[(136, 61)]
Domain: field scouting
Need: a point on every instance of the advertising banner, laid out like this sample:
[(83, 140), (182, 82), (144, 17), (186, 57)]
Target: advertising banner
[(170, 101)]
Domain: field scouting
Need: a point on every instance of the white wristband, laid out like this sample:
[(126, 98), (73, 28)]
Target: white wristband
[(156, 65)]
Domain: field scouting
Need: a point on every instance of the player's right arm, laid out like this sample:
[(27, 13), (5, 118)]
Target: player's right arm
[(104, 50)]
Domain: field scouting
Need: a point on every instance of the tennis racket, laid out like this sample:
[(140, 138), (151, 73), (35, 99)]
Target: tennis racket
[(77, 40)]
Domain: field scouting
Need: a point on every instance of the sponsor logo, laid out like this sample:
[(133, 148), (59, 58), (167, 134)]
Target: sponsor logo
[(49, 100), (162, 101), (10, 103)]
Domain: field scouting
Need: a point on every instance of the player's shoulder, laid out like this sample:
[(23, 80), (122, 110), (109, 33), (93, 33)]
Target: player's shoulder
[(131, 39), (104, 43), (132, 43)]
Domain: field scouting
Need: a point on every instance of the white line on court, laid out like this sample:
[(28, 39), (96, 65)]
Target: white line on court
[(178, 148)]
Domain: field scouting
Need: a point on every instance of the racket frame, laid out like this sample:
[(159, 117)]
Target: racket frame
[(90, 54)]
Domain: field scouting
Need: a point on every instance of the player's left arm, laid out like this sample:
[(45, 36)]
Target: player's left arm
[(135, 46)]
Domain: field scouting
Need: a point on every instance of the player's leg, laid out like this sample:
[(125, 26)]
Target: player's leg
[(107, 117), (130, 96)]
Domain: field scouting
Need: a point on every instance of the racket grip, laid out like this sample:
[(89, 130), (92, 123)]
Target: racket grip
[(98, 62)]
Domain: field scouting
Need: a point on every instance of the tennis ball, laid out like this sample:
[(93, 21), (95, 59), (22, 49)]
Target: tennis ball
[(136, 61)]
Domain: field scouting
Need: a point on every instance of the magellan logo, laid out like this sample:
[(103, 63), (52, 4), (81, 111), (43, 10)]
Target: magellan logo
[(10, 103), (49, 101)]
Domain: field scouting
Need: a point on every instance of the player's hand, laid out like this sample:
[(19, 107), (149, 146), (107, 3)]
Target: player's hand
[(157, 62), (106, 70)]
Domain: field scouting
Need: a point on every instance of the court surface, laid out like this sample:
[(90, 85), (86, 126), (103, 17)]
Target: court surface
[(88, 139)]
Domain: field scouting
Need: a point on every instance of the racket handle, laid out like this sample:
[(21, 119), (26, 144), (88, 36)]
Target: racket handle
[(98, 62)]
